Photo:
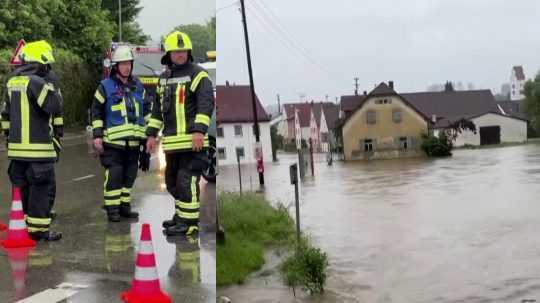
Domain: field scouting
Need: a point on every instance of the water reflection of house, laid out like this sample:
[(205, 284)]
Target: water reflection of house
[(385, 124)]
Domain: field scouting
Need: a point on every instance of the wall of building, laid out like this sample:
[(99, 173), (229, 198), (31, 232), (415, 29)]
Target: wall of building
[(230, 142), (385, 133)]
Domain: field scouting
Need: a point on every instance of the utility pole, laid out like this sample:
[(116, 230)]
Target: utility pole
[(356, 86), (119, 20), (279, 104), (252, 87)]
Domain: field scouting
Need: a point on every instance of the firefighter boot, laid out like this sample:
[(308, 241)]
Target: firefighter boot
[(181, 228), (125, 211), (45, 236)]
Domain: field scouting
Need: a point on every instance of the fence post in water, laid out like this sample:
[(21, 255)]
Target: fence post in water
[(293, 169), (239, 171)]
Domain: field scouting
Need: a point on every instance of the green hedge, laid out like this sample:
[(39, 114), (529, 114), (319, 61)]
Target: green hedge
[(78, 82)]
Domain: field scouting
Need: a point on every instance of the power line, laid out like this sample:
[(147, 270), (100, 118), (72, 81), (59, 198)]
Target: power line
[(227, 6), (266, 23)]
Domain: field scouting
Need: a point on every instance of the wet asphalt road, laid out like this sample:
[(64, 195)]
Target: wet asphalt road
[(96, 257), (463, 229)]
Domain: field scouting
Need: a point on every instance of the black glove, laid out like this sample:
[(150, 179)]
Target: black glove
[(144, 159)]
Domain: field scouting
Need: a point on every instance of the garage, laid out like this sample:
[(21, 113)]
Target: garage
[(490, 135)]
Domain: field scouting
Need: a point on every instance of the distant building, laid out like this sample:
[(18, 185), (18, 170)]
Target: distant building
[(385, 124), (317, 121), (517, 83), (235, 133)]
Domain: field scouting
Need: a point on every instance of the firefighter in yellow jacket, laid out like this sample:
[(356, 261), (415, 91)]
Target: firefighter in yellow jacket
[(182, 110), (31, 103), (118, 122)]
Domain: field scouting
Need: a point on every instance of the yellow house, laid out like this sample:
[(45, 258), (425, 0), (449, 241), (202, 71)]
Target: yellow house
[(384, 126)]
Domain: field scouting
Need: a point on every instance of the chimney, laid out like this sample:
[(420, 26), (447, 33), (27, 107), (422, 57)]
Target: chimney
[(227, 84), (434, 118), (391, 84)]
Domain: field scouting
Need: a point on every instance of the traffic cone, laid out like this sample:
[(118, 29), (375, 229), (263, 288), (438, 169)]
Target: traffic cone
[(18, 260), (145, 286), (17, 233)]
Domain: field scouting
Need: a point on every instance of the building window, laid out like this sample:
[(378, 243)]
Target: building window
[(220, 132), (396, 116), (238, 131), (222, 153), (403, 143), (368, 145), (371, 117), (513, 86), (240, 152)]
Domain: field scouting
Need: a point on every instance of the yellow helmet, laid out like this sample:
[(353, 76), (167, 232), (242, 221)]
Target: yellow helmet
[(37, 51), (175, 41)]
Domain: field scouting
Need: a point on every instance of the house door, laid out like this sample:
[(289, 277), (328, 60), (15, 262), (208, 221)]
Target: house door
[(490, 135)]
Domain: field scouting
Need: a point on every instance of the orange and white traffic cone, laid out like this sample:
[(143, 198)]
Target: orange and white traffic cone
[(18, 260), (17, 232), (145, 286)]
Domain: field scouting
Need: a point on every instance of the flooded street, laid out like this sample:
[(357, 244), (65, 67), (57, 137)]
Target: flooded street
[(462, 229), (98, 258)]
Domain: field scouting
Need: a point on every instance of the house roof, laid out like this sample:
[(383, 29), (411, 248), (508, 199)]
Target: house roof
[(514, 108), (350, 103), (233, 105), (518, 71), (446, 106), (453, 105), (383, 90), (304, 112), (331, 112)]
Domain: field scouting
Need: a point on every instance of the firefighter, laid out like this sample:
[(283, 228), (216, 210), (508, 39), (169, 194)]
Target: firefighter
[(182, 110), (31, 103), (118, 122)]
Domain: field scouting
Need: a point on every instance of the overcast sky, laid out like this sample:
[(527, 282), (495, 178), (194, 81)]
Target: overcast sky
[(159, 17), (318, 47)]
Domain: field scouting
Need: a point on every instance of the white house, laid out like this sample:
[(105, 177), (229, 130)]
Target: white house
[(235, 135), (494, 128), (517, 83)]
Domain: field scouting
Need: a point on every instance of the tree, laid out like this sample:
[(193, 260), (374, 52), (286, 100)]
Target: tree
[(203, 37), (532, 101), (131, 30), (30, 20), (448, 86), (89, 36), (442, 145)]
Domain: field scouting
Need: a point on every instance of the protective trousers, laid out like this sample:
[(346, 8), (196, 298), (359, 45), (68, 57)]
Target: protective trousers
[(121, 167), (37, 179), (182, 177)]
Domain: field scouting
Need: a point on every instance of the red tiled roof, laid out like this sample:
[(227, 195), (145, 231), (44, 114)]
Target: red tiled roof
[(233, 104), (304, 112)]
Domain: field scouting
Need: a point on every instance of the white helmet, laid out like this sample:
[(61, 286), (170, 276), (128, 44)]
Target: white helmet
[(122, 53)]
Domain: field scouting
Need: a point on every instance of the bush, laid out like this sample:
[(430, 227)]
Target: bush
[(437, 146), (306, 268), (78, 82)]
